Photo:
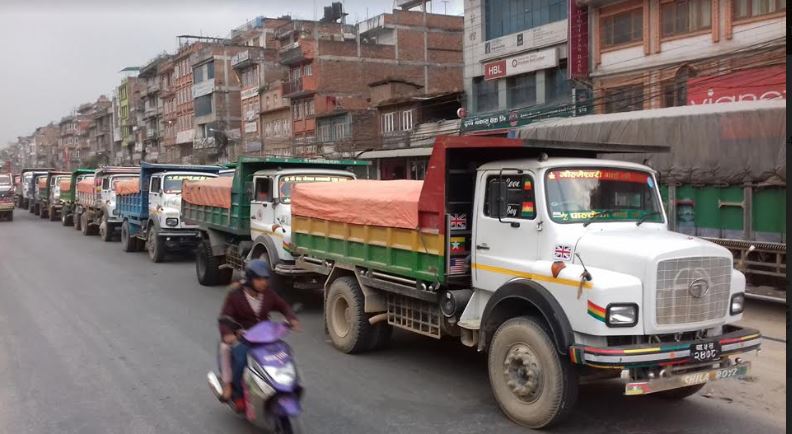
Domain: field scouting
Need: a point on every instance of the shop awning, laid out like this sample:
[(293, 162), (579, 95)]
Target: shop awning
[(727, 143), (397, 153)]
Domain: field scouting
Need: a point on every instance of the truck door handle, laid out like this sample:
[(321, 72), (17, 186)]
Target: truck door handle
[(482, 246)]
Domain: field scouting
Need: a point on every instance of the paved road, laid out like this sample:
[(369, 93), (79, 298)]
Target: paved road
[(95, 340)]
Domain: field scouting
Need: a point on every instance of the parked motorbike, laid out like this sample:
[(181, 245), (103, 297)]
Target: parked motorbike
[(270, 385)]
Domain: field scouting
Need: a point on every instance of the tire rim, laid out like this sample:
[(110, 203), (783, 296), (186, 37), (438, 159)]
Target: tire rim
[(341, 318), (523, 373), (151, 242)]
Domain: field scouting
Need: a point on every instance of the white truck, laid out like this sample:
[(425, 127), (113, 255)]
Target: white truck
[(558, 264), (150, 209), (96, 210)]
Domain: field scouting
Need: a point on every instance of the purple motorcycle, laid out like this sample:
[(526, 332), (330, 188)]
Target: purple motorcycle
[(270, 384)]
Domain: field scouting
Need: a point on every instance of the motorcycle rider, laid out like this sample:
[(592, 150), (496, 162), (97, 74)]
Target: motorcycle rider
[(249, 302)]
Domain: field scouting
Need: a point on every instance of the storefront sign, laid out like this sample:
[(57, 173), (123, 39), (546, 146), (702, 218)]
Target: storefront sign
[(537, 37), (515, 118), (749, 85), (521, 64), (577, 41)]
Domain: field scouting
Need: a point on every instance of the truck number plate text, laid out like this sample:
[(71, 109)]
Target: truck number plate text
[(705, 352)]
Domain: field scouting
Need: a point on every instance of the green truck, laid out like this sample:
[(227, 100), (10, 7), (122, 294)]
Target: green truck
[(68, 197), (248, 216)]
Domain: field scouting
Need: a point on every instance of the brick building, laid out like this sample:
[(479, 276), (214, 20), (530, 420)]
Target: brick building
[(67, 142), (332, 64), (44, 145), (100, 131), (152, 75)]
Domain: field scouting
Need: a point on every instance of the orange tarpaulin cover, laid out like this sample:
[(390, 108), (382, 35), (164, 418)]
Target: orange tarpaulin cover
[(364, 202), (208, 192), (65, 184), (127, 186), (86, 186), (42, 182)]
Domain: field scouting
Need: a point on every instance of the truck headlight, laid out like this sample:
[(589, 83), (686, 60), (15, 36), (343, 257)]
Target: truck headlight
[(621, 315), (172, 221), (737, 304), (284, 375)]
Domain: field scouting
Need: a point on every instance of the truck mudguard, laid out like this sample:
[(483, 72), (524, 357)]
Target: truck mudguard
[(261, 243), (524, 291)]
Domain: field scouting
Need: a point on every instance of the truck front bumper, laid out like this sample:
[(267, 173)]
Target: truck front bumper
[(672, 380), (180, 239), (6, 206), (735, 340)]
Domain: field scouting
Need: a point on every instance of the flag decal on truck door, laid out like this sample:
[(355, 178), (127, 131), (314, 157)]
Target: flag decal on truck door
[(457, 266), (458, 222), (562, 252), (457, 245)]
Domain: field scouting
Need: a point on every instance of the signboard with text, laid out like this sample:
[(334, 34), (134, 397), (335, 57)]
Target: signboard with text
[(578, 41), (521, 64), (753, 84)]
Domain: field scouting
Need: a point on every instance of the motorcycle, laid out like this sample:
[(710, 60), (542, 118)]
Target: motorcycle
[(270, 385)]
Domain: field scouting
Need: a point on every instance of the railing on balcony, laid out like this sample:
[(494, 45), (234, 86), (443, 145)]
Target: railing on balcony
[(293, 86), (295, 54)]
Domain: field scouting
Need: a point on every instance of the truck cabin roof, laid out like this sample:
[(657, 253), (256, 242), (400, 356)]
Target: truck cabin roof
[(117, 170)]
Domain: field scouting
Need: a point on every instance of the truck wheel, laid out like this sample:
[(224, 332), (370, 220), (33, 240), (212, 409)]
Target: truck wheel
[(206, 265), (105, 230), (53, 215), (531, 383), (155, 249), (11, 216), (66, 219), (128, 244), (85, 226), (77, 220), (43, 212), (681, 393), (346, 321)]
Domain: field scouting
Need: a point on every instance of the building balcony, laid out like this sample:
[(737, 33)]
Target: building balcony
[(246, 59), (150, 112), (167, 92), (298, 52)]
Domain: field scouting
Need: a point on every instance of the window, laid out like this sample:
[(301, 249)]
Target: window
[(263, 190), (510, 196), (521, 90), (407, 120), (675, 90), (486, 92), (198, 74), (296, 110), (307, 70), (203, 105), (334, 128), (503, 17), (295, 73), (753, 8), (686, 16), (621, 28), (388, 122), (155, 185), (624, 99), (210, 72), (557, 87), (309, 108)]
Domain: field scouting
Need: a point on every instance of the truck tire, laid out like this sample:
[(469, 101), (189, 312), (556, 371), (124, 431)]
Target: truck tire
[(77, 220), (381, 333), (681, 393), (533, 386), (85, 226), (53, 215), (34, 209), (346, 321), (11, 216), (206, 265), (43, 212), (128, 243), (105, 230), (156, 251), (66, 219)]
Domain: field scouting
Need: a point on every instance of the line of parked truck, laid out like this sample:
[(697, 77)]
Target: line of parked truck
[(558, 264)]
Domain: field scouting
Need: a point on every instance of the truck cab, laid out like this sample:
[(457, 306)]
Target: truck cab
[(270, 206), (51, 201), (107, 196), (165, 197), (97, 211)]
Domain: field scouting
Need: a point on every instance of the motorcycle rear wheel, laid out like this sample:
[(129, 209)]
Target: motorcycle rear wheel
[(288, 425)]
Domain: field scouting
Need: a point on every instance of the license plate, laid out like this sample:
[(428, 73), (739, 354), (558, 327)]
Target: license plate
[(718, 374), (705, 351)]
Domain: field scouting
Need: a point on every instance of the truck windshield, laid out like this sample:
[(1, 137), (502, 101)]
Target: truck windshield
[(173, 183), (286, 183), (5, 180), (576, 195)]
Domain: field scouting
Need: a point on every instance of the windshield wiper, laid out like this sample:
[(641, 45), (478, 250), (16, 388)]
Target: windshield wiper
[(646, 216), (597, 215)]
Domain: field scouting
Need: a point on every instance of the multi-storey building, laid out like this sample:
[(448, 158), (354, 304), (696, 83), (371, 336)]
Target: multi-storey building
[(332, 64), (45, 145), (128, 104), (654, 53), (178, 112), (100, 131), (153, 74), (516, 63), (259, 73), (68, 154)]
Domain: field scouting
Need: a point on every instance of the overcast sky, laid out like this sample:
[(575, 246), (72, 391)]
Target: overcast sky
[(58, 54)]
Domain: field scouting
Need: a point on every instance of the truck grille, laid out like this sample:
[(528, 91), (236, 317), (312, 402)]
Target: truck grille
[(678, 304)]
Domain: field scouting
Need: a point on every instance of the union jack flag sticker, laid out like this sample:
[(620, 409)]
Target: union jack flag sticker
[(562, 252), (458, 221)]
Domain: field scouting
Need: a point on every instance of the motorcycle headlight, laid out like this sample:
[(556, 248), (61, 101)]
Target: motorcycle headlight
[(285, 375)]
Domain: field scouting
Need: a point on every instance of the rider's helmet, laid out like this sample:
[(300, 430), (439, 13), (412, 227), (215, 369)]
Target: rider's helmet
[(257, 268)]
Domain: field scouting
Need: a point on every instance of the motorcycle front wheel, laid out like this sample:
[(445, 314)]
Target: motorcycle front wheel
[(288, 425)]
